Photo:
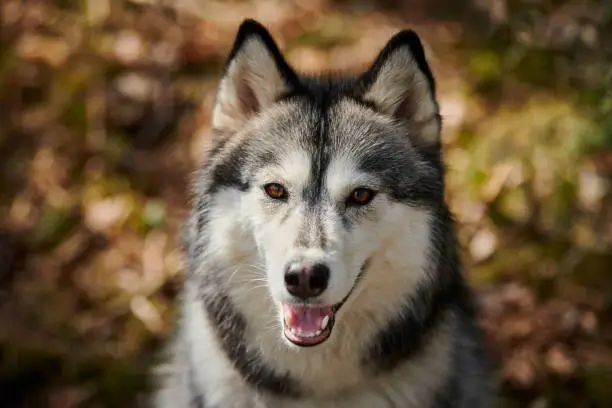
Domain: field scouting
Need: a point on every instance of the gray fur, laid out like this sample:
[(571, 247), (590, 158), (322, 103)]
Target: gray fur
[(403, 333)]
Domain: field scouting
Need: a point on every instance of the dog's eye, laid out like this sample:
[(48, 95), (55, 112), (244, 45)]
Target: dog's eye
[(276, 191), (361, 196)]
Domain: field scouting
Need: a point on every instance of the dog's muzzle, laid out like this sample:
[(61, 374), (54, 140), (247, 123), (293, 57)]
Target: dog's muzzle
[(308, 324)]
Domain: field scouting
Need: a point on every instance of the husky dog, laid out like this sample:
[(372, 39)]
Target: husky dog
[(323, 264)]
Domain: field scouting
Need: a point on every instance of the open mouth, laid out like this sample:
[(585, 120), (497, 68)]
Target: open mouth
[(307, 325)]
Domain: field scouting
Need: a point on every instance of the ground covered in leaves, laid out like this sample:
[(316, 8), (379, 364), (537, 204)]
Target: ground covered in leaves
[(104, 110)]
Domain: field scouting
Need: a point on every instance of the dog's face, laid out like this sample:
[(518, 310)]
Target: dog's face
[(327, 173)]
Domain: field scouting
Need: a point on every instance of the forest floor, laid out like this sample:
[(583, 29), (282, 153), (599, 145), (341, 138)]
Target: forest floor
[(104, 113)]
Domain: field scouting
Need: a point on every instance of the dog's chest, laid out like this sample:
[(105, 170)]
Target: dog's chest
[(406, 387), (381, 395)]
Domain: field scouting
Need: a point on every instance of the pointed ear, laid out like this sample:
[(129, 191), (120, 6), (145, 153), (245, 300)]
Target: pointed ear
[(255, 76), (400, 84)]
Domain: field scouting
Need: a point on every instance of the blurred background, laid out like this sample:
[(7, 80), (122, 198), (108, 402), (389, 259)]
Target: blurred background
[(104, 113)]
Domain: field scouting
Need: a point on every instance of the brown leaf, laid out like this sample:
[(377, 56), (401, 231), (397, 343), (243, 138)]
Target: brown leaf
[(520, 367), (53, 51), (559, 360)]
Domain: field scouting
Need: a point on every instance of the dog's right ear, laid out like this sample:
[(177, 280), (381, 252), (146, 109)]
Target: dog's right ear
[(256, 75)]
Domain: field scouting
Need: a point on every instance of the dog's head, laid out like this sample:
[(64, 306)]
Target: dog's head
[(326, 172)]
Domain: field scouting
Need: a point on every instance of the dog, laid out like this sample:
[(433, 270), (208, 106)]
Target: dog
[(323, 266)]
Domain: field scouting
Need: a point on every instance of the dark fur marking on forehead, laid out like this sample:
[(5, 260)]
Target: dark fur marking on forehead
[(231, 329), (318, 144), (320, 153), (317, 96)]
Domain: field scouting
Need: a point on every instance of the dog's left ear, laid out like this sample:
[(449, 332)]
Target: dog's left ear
[(400, 84), (255, 76)]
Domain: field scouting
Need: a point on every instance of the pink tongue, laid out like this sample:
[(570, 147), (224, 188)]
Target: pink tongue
[(307, 319)]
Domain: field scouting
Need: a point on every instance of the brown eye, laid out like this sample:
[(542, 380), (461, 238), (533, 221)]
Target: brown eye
[(361, 196), (276, 191)]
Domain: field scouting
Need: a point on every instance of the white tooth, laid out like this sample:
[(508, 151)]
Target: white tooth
[(318, 332), (324, 322), (293, 330)]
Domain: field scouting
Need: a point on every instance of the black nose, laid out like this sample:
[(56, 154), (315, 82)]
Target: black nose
[(306, 280)]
